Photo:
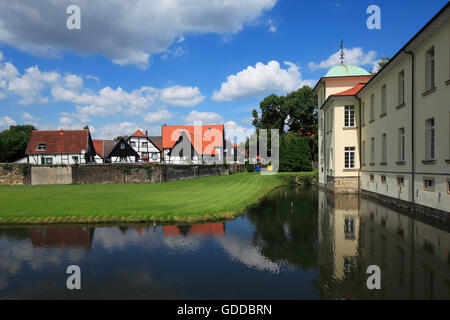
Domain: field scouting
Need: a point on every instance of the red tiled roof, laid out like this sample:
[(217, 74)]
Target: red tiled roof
[(351, 92), (138, 133), (58, 141), (211, 137), (98, 146)]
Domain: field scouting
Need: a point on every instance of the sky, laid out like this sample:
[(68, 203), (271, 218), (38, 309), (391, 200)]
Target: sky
[(139, 64)]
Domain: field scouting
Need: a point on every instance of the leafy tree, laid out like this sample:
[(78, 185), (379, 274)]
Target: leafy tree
[(295, 153), (273, 113), (13, 142), (302, 111), (381, 63)]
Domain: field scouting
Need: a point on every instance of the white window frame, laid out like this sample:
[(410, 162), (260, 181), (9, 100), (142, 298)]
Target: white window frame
[(349, 117), (350, 158), (430, 139)]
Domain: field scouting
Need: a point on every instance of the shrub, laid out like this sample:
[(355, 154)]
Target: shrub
[(295, 153)]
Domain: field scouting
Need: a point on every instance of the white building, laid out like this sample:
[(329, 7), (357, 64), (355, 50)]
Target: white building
[(148, 148), (60, 147)]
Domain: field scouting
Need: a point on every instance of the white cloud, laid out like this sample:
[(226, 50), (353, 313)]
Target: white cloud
[(111, 131), (204, 117), (31, 83), (237, 133), (159, 116), (353, 57), (38, 87), (6, 122), (182, 96), (261, 79), (126, 32)]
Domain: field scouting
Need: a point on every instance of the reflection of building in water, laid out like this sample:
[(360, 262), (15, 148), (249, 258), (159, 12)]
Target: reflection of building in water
[(61, 237), (339, 224), (216, 229), (413, 256)]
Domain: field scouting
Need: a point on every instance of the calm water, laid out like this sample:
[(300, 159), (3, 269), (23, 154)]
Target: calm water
[(294, 245)]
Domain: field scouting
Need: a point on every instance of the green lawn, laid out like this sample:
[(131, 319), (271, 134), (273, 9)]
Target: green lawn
[(202, 199)]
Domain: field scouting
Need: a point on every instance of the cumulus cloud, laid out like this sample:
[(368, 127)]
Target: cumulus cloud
[(237, 133), (353, 57), (126, 32), (261, 79), (40, 87), (182, 96), (6, 122), (204, 117), (111, 131), (159, 116)]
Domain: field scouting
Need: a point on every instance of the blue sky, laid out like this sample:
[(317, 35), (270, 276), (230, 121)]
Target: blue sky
[(180, 61)]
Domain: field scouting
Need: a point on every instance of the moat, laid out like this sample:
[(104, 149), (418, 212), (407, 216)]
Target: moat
[(297, 244)]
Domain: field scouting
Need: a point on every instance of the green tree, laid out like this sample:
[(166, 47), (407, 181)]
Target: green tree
[(273, 113), (13, 142), (302, 110)]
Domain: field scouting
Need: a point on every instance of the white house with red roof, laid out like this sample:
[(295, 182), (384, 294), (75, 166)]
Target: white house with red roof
[(47, 147), (193, 144), (148, 148)]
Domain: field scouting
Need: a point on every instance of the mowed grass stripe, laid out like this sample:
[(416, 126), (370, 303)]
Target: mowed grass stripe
[(182, 199)]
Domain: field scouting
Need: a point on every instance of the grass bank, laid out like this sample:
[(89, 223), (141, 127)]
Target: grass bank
[(205, 199)]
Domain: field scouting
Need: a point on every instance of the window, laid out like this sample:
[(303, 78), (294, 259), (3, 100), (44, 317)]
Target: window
[(133, 144), (122, 146), (383, 179), (372, 178), (401, 181), (144, 144), (75, 159), (448, 186), (372, 150), (428, 184), (372, 107), (401, 88), (48, 160), (430, 69), (384, 149), (429, 139), (349, 228), (145, 155), (383, 100), (401, 144), (349, 157), (363, 152), (41, 147), (363, 114), (349, 120)]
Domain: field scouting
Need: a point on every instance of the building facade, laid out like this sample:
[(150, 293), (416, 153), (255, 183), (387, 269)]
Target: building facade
[(148, 148), (193, 144), (388, 135), (51, 147)]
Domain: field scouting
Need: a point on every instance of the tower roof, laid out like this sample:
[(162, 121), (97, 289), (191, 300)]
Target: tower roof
[(346, 71)]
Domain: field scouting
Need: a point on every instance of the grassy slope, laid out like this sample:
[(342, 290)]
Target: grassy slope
[(182, 201)]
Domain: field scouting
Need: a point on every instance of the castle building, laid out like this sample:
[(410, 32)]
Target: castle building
[(388, 135)]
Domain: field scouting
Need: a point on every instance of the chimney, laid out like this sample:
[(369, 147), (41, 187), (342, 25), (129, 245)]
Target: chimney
[(146, 133), (86, 127), (61, 132)]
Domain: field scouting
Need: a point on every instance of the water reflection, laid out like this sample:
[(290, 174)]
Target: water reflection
[(297, 244)]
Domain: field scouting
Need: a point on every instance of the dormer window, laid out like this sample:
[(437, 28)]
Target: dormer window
[(122, 146), (41, 147)]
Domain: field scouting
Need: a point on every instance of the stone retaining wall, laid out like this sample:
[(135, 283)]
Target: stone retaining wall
[(24, 174)]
